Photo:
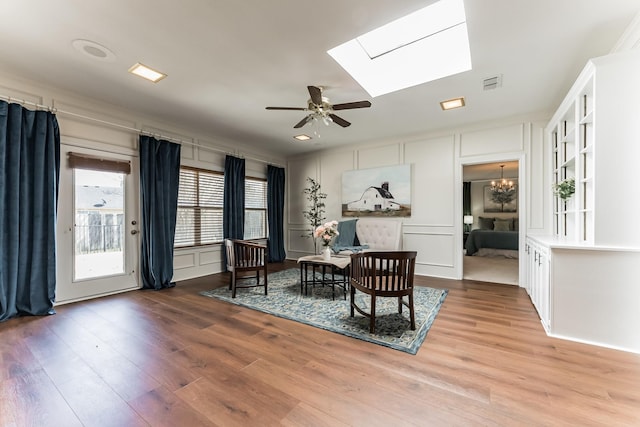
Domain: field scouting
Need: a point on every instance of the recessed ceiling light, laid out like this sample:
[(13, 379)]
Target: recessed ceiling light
[(147, 73), (452, 103), (93, 50), (426, 45), (302, 137)]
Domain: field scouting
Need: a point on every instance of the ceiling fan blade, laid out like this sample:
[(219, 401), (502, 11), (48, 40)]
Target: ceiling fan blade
[(287, 108), (303, 121), (350, 105), (316, 94), (339, 120)]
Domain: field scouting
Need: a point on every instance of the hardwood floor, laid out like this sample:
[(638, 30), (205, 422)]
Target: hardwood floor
[(175, 358)]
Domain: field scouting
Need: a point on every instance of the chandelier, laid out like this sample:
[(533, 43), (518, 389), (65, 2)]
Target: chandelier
[(502, 191)]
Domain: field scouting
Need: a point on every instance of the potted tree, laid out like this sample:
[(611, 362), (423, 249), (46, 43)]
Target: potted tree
[(315, 213)]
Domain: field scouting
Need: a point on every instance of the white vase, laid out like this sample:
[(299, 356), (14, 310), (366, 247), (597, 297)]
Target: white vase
[(326, 253)]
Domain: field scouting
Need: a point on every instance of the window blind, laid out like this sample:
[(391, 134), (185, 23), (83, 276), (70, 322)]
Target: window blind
[(81, 161), (200, 203), (255, 205)]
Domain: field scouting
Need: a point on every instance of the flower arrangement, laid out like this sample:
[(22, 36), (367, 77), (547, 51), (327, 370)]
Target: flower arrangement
[(565, 189), (326, 232)]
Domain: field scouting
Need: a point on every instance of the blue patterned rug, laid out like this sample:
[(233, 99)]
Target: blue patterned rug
[(319, 310)]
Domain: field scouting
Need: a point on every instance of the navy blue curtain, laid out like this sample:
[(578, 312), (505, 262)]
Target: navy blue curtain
[(159, 179), (233, 208), (275, 213), (466, 202), (466, 198), (29, 177)]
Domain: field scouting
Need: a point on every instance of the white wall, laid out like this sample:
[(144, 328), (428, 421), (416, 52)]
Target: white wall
[(617, 149), (435, 226), (197, 151)]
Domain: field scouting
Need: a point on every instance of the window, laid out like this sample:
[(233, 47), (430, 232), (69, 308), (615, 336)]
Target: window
[(99, 205), (200, 207), (255, 208), (200, 203), (425, 45)]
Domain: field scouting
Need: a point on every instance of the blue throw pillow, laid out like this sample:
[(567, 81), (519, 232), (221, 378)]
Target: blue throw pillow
[(347, 230)]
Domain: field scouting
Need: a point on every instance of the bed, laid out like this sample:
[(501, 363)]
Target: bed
[(491, 239)]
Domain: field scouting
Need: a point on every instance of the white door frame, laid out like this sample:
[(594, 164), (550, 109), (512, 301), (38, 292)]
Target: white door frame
[(522, 205)]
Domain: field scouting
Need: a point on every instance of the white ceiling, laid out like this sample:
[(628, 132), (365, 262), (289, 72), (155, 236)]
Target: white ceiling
[(227, 60), (489, 171)]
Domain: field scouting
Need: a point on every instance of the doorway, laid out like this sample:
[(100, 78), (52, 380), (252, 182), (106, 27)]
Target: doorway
[(493, 249), (97, 225)]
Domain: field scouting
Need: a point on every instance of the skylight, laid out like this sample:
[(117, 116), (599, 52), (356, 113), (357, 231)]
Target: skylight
[(423, 46)]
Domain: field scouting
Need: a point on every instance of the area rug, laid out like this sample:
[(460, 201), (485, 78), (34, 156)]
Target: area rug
[(318, 309)]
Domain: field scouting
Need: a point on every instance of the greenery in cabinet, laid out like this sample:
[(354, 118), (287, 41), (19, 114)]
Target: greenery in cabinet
[(565, 189)]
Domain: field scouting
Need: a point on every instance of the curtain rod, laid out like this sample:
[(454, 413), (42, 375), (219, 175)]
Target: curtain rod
[(55, 110)]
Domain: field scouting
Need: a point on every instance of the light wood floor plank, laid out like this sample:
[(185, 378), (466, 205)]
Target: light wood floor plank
[(174, 357)]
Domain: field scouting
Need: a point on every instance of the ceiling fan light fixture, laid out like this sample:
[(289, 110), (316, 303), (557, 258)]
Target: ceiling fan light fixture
[(450, 104), (145, 72), (320, 108), (302, 137)]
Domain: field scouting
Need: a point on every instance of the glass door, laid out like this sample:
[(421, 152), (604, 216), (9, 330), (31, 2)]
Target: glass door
[(98, 230), (97, 225)]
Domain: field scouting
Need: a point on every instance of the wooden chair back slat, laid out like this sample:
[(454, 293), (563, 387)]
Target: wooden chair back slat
[(245, 256), (384, 274), (384, 271)]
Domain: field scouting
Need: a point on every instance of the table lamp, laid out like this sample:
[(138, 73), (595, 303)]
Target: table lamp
[(468, 221)]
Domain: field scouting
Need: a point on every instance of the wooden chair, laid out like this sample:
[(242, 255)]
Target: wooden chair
[(383, 274), (245, 257)]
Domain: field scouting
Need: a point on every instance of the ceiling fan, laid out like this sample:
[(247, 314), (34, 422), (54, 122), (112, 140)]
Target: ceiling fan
[(320, 108)]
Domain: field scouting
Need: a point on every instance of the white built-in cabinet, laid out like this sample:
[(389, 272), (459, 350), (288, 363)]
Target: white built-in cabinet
[(538, 285), (593, 244), (595, 139), (572, 141)]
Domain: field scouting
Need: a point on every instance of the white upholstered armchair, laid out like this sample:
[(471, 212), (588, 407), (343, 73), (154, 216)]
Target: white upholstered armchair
[(373, 234)]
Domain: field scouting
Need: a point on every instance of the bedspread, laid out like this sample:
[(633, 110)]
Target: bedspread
[(479, 239)]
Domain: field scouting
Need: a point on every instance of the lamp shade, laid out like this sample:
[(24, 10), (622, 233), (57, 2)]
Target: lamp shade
[(468, 219)]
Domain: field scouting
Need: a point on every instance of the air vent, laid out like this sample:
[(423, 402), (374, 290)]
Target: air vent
[(491, 83)]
